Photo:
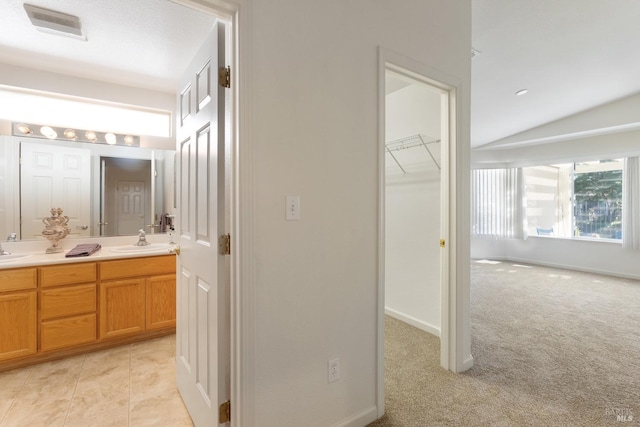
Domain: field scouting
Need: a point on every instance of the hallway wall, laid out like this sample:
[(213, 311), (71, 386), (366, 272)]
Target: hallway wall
[(314, 129)]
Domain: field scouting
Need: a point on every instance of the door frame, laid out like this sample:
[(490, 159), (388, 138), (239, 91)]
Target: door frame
[(241, 375), (454, 289)]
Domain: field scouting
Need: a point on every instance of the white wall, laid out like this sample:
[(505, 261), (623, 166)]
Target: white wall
[(314, 131), (579, 254), (412, 222), (45, 81), (584, 255)]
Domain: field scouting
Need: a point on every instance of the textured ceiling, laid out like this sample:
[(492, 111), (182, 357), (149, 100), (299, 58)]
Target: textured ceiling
[(131, 42)]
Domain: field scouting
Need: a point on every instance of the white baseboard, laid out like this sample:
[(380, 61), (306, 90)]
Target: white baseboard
[(467, 364), (433, 330), (362, 419), (567, 267)]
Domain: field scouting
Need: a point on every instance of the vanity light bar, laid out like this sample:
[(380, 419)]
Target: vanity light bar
[(76, 135)]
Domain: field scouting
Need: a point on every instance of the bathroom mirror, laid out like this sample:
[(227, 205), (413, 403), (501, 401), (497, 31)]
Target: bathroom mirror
[(105, 190)]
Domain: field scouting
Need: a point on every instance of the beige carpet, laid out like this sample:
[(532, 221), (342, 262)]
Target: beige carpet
[(551, 347)]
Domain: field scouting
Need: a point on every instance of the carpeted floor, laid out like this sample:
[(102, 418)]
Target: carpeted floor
[(551, 348)]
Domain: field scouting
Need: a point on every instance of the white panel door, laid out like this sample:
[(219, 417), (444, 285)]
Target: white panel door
[(202, 332), (130, 207), (53, 176)]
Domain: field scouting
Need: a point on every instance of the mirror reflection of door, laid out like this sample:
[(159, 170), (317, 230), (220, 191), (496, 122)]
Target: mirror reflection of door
[(54, 177), (126, 196)]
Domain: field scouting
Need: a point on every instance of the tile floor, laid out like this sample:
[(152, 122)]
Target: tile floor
[(132, 385)]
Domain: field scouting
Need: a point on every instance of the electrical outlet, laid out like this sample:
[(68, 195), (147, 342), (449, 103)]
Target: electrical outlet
[(293, 208), (333, 370)]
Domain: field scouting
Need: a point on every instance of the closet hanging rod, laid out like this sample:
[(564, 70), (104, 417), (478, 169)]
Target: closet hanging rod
[(410, 142)]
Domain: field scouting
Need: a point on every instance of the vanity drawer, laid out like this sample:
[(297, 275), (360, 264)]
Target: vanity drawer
[(68, 274), (67, 301), (67, 332), (135, 267), (18, 279)]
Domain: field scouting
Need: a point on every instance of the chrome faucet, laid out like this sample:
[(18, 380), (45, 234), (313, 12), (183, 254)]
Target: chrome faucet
[(142, 238), (12, 237)]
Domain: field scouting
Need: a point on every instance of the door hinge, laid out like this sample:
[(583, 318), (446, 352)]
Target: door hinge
[(224, 76), (224, 244), (224, 412), (442, 243)]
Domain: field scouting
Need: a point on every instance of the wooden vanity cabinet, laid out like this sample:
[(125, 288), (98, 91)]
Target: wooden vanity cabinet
[(67, 305), (136, 295), (18, 313), (58, 310)]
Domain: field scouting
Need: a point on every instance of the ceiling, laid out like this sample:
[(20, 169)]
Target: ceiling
[(571, 55), (135, 43)]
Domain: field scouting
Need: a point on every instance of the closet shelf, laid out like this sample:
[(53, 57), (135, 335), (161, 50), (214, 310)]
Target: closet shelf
[(412, 141)]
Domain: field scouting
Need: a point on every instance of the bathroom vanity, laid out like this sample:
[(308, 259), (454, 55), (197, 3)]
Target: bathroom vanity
[(52, 306)]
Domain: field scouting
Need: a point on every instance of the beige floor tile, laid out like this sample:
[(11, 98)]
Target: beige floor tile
[(131, 385), (118, 356), (11, 384), (156, 411), (105, 406), (40, 412), (152, 384)]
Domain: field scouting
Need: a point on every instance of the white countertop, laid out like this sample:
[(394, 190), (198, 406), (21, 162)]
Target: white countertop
[(36, 256)]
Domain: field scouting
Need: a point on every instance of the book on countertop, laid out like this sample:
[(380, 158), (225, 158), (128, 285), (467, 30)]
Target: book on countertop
[(83, 250)]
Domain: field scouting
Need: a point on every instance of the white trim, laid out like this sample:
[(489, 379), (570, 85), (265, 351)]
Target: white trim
[(454, 281), (242, 300), (362, 419), (468, 363), (562, 266), (381, 235), (427, 327)]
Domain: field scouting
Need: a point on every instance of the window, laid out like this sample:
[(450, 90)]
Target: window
[(575, 199)]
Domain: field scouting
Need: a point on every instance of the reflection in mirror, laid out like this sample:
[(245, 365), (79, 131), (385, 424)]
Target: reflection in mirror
[(105, 190)]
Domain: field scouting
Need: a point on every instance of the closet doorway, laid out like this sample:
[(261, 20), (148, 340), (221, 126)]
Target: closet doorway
[(412, 201), (417, 144)]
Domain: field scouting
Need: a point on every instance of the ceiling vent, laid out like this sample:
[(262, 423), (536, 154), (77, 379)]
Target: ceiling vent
[(50, 21)]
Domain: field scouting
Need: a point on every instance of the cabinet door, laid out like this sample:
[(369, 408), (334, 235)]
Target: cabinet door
[(67, 332), (161, 301), (122, 307), (18, 325), (67, 301)]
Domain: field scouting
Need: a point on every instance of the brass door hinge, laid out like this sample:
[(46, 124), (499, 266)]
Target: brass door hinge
[(224, 244), (224, 412), (224, 76), (442, 243)]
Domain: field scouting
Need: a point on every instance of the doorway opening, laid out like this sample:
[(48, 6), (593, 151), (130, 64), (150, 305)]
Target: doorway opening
[(125, 196), (412, 201), (417, 118)]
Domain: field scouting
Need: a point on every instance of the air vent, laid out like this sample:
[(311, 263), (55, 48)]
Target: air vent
[(50, 21)]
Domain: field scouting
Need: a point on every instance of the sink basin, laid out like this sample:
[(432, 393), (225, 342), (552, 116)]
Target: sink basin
[(153, 247), (13, 257)]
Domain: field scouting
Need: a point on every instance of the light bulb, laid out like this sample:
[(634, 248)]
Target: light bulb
[(70, 134), (48, 132), (110, 138), (24, 129)]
